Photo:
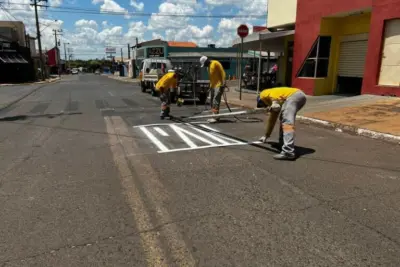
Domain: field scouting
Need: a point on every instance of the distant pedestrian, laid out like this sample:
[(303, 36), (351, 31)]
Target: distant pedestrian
[(163, 86), (283, 102), (217, 83)]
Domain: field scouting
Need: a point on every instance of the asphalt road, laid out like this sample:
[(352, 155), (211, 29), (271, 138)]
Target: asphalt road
[(87, 179)]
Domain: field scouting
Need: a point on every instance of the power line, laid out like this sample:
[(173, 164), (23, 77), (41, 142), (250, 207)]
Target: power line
[(63, 9)]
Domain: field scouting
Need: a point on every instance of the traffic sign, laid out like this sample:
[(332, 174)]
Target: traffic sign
[(243, 31)]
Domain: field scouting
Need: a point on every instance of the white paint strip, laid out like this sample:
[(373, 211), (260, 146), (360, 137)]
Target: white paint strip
[(161, 131), (209, 128), (222, 140), (183, 137), (210, 136), (157, 142), (167, 124), (219, 115), (196, 136), (111, 94), (211, 146)]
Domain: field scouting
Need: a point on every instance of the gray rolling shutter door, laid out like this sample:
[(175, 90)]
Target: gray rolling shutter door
[(352, 58)]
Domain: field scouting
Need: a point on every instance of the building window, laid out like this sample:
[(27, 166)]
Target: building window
[(317, 62)]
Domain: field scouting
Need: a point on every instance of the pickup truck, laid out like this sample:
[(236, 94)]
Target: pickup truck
[(151, 70)]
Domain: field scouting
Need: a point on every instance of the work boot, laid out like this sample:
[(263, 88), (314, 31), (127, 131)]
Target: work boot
[(213, 120), (284, 156)]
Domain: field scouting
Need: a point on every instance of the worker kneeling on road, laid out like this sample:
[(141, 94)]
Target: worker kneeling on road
[(284, 102), (163, 86), (217, 83)]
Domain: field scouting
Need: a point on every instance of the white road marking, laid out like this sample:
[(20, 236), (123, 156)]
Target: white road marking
[(211, 146), (214, 137), (111, 94), (157, 142), (197, 136), (161, 131), (182, 136), (167, 124), (188, 134), (209, 128), (219, 115)]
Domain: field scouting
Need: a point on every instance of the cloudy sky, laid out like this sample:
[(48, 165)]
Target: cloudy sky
[(90, 25)]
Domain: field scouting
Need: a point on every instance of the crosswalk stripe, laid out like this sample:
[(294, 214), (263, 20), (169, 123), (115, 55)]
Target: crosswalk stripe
[(157, 142), (161, 131)]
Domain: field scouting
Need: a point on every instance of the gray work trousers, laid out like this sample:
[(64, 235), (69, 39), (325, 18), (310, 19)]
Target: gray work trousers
[(215, 99), (165, 102), (287, 121)]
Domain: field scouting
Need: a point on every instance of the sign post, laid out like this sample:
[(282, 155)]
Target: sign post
[(242, 31)]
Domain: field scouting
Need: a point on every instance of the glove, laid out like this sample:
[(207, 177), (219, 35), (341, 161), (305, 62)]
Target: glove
[(263, 139), (275, 106)]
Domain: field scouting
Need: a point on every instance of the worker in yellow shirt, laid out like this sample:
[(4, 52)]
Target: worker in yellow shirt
[(163, 86), (283, 102), (217, 83)]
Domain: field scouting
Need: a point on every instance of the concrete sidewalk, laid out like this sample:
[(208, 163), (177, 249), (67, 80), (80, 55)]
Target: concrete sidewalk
[(367, 115), (123, 78), (12, 93)]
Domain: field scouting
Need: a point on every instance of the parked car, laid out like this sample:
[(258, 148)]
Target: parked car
[(97, 72), (75, 71)]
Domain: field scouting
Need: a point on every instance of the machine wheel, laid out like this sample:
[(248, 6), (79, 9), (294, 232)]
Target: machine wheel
[(203, 98)]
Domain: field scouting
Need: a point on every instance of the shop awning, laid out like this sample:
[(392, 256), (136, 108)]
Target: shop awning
[(207, 54), (12, 58), (270, 41)]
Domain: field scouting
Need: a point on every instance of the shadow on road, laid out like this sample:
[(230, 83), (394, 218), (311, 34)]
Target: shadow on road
[(24, 117), (300, 151)]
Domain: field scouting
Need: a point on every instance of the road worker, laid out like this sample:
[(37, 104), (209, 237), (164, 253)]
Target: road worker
[(163, 86), (217, 83), (283, 102)]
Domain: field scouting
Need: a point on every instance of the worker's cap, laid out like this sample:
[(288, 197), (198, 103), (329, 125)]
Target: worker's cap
[(203, 60)]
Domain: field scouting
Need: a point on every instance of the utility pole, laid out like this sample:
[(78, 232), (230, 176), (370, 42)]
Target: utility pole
[(56, 49), (129, 51), (35, 4), (65, 53)]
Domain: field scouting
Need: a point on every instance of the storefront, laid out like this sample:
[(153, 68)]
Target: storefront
[(347, 47), (15, 63)]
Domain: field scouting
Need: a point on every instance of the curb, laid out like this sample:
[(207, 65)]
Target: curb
[(246, 91), (338, 127), (123, 80), (32, 83), (27, 94)]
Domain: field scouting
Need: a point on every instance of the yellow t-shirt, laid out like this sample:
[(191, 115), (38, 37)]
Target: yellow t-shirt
[(167, 81), (279, 94), (217, 74)]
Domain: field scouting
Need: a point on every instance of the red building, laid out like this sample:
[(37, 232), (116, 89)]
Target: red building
[(347, 47), (53, 59)]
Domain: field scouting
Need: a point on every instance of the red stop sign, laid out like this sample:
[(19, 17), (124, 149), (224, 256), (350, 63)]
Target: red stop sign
[(243, 31)]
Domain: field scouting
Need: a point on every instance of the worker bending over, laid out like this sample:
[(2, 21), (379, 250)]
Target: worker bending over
[(217, 83), (284, 102), (163, 86)]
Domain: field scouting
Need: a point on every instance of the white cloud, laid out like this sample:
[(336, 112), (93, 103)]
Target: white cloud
[(55, 3), (111, 6), (155, 35), (136, 30), (158, 21), (227, 31), (139, 6), (86, 23)]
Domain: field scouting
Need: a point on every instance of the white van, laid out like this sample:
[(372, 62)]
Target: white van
[(151, 70)]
